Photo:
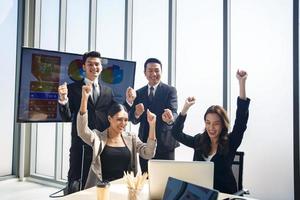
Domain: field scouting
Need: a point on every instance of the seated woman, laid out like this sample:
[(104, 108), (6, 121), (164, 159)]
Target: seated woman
[(215, 143), (114, 150)]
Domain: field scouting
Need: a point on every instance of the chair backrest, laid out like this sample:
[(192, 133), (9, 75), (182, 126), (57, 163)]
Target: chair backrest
[(237, 168)]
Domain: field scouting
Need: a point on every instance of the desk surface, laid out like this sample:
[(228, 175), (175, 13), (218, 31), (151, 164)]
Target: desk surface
[(119, 191)]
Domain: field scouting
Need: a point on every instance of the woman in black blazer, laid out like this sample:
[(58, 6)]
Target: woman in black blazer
[(215, 144)]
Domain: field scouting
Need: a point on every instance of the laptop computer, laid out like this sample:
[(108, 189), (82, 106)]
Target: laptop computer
[(181, 190), (196, 172)]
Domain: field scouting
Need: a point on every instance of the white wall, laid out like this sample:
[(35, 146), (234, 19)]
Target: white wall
[(261, 42)]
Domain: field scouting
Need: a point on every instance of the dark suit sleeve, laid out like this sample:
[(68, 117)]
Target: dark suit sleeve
[(172, 102), (127, 106), (177, 132), (133, 119), (240, 124), (66, 110), (101, 109)]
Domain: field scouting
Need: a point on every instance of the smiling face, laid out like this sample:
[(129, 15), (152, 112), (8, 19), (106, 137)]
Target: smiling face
[(119, 121), (153, 73), (216, 122), (213, 126), (92, 68)]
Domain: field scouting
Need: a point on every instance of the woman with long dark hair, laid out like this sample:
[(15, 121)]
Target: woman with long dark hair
[(114, 149), (215, 144)]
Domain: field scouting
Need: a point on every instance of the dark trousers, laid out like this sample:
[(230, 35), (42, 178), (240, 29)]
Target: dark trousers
[(80, 162), (170, 155)]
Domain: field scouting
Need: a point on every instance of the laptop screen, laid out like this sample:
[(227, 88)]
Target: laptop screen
[(181, 190), (196, 172)]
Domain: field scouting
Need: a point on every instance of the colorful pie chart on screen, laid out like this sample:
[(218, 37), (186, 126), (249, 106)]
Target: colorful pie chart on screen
[(112, 74), (75, 70)]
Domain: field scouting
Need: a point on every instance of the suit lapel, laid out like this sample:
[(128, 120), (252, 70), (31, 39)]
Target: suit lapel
[(143, 94), (101, 90)]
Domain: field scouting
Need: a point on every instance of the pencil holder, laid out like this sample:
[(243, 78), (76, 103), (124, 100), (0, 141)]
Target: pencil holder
[(134, 194)]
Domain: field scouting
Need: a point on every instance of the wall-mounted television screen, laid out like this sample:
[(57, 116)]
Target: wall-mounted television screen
[(42, 71)]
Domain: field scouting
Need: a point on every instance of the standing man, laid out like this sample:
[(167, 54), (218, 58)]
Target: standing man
[(99, 102), (161, 99)]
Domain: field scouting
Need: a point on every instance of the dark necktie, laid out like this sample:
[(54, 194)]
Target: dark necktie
[(95, 93), (151, 94)]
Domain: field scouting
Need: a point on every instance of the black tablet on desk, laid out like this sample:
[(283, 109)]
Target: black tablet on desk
[(181, 190)]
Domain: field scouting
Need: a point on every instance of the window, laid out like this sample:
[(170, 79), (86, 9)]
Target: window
[(8, 22), (199, 61), (110, 28), (44, 134), (77, 26), (267, 55), (150, 36)]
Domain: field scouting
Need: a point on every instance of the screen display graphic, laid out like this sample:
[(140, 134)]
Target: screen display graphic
[(42, 71)]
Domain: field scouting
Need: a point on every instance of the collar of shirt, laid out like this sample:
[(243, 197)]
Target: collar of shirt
[(87, 81), (208, 158), (154, 88)]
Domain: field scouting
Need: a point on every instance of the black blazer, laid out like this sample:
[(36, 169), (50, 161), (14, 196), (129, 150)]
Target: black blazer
[(165, 97), (97, 113), (224, 180)]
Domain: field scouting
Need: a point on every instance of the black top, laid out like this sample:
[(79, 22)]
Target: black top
[(114, 161), (224, 180)]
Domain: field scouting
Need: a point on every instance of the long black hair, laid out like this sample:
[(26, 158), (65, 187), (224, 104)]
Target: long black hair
[(205, 143)]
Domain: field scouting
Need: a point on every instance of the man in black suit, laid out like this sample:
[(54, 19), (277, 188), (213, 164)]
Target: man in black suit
[(99, 102), (161, 99)]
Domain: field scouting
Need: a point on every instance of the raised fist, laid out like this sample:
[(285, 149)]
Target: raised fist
[(63, 91), (139, 109), (167, 116), (130, 95), (241, 75), (187, 104), (86, 90), (151, 117)]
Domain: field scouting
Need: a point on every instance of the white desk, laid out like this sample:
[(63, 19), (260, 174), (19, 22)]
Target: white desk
[(118, 191)]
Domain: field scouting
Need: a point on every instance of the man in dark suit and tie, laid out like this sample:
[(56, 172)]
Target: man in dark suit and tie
[(100, 100), (161, 99)]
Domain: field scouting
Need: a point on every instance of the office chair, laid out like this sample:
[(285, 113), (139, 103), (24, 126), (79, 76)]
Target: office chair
[(237, 168)]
